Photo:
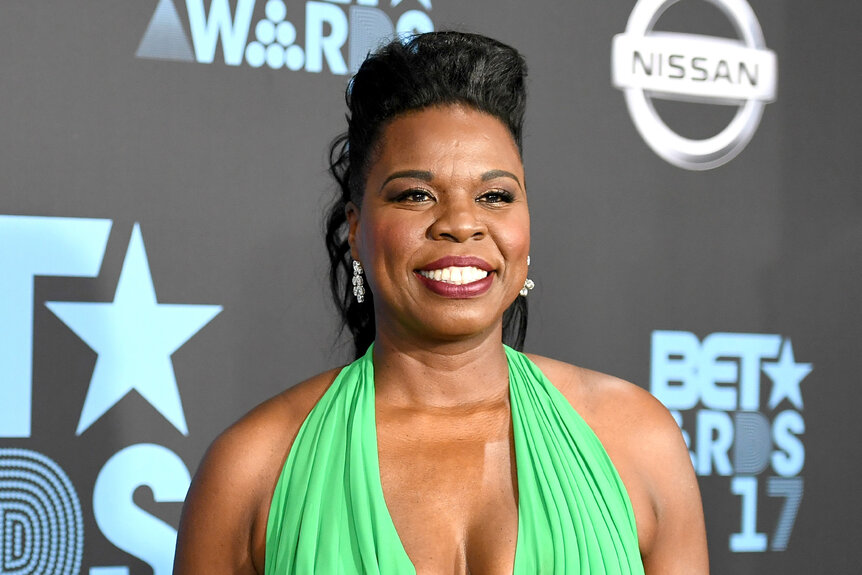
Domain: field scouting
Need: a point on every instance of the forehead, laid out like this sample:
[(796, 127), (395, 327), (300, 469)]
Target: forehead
[(444, 138)]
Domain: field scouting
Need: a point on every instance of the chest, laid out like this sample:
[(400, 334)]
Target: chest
[(450, 486)]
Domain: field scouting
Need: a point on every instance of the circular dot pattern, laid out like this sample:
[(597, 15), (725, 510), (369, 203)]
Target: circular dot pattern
[(286, 33), (275, 56), (265, 32), (276, 10), (255, 54), (295, 58), (41, 526), (274, 41)]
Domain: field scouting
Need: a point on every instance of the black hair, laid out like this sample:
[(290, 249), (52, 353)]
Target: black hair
[(433, 69)]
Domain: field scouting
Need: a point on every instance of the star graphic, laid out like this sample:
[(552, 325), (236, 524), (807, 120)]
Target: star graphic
[(425, 3), (134, 337), (786, 375)]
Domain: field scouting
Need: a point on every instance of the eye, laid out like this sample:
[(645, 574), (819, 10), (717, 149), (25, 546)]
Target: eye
[(414, 196), (496, 197)]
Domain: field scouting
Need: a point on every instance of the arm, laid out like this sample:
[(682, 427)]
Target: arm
[(223, 519), (679, 541), (223, 525)]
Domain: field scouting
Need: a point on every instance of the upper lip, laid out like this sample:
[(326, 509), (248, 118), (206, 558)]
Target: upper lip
[(458, 261)]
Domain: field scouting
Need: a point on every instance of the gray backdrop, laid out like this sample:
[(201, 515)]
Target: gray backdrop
[(731, 293)]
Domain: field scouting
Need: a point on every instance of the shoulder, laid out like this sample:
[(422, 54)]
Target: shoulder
[(646, 446), (636, 430), (254, 448), (607, 401), (266, 432), (224, 518)]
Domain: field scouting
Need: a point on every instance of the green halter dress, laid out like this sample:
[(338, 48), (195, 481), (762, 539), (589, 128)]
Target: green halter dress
[(328, 515)]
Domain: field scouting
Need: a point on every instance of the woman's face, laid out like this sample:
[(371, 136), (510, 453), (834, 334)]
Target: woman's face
[(443, 231)]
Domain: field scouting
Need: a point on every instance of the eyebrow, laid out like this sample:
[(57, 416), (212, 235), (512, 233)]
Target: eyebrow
[(493, 174), (427, 176), (423, 175)]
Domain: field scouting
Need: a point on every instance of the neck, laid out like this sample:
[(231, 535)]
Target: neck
[(450, 374)]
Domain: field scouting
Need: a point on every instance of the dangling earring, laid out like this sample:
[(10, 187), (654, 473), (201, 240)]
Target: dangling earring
[(528, 283), (358, 287)]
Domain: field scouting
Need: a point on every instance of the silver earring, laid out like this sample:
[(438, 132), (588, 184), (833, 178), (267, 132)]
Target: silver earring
[(528, 283), (358, 287)]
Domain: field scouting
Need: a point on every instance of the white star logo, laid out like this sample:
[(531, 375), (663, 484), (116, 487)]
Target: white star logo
[(134, 336), (786, 375)]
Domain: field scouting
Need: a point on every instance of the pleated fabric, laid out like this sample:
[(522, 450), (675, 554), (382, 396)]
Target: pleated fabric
[(574, 514), (328, 514)]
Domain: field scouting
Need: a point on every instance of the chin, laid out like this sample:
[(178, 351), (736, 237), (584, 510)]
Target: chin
[(455, 326)]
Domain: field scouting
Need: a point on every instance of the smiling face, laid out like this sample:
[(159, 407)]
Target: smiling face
[(443, 231)]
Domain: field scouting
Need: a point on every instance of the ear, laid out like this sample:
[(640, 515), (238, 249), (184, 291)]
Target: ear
[(352, 212)]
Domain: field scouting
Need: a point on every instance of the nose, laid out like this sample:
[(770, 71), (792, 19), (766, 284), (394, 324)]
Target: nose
[(457, 220)]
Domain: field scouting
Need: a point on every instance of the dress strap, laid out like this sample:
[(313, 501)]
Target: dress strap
[(328, 514), (574, 514)]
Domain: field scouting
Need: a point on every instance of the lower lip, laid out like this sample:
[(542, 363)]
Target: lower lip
[(464, 291)]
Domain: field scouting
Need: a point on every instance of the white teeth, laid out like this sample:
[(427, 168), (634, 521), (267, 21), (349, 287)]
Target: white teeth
[(456, 275)]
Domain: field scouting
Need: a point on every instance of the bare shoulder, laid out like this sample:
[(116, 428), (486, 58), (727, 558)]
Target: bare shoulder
[(635, 429), (267, 431), (254, 448), (607, 401), (222, 528), (647, 448)]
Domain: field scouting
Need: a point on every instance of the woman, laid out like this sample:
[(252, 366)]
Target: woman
[(440, 450)]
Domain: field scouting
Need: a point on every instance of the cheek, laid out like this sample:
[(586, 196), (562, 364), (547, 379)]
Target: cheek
[(387, 243), (513, 238)]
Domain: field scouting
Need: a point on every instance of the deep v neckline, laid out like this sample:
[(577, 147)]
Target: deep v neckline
[(328, 514), (378, 484)]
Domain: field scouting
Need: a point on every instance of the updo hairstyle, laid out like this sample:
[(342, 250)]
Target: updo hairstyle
[(433, 69)]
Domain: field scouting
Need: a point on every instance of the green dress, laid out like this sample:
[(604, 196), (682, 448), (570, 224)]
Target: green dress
[(328, 515)]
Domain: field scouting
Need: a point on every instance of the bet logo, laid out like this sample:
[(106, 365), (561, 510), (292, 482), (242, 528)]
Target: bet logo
[(738, 399), (134, 337), (310, 36)]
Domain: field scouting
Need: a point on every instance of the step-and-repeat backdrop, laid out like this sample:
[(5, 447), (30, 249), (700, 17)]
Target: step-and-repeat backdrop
[(694, 181)]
